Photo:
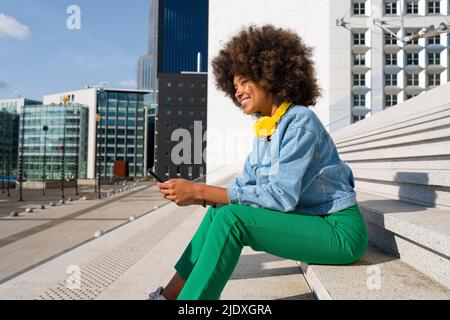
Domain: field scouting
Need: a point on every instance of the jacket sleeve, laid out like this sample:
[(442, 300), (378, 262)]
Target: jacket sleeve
[(281, 189)]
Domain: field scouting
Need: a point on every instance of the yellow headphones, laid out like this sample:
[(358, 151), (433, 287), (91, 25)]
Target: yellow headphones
[(266, 126)]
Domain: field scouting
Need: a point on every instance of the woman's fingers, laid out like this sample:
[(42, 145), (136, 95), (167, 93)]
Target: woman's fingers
[(164, 186), (167, 192)]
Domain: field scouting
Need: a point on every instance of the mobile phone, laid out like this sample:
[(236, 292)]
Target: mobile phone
[(154, 175)]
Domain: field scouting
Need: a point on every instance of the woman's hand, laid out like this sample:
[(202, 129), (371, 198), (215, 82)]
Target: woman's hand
[(182, 192)]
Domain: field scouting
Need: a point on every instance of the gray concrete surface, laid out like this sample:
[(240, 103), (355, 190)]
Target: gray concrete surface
[(32, 238), (136, 258)]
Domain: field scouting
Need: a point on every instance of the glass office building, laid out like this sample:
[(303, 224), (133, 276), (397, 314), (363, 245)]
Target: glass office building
[(9, 137), (15, 105), (68, 127), (147, 73), (182, 33), (121, 131)]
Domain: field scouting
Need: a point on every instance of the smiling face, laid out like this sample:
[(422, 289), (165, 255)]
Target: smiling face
[(252, 97)]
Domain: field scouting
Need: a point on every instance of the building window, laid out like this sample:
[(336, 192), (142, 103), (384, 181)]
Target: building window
[(359, 100), (391, 59), (412, 79), (412, 59), (434, 40), (434, 79), (359, 8), (359, 59), (389, 39), (390, 7), (434, 7), (358, 118), (391, 79), (434, 58), (390, 100), (412, 7), (359, 39), (359, 79), (410, 96)]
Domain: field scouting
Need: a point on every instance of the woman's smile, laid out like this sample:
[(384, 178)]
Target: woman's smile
[(252, 97)]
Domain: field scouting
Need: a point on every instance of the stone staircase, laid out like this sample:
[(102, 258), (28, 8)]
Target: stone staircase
[(401, 163)]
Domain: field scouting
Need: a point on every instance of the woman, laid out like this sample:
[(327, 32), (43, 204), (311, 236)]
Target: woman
[(295, 199)]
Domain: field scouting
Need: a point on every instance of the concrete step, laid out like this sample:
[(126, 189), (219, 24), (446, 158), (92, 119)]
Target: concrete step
[(433, 101), (414, 193), (420, 177), (419, 236), (415, 137), (408, 164), (432, 148), (418, 124), (377, 276)]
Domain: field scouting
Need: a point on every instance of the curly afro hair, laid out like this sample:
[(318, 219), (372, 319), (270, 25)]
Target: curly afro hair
[(274, 58)]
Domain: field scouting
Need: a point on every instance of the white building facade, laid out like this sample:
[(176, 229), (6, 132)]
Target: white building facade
[(121, 131), (361, 69)]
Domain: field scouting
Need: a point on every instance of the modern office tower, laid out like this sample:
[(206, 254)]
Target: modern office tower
[(15, 105), (9, 143), (181, 125), (120, 132), (147, 76), (361, 70), (55, 136), (178, 42), (147, 68), (9, 133), (182, 34), (178, 33)]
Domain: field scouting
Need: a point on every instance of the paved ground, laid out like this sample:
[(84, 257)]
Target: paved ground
[(129, 261), (33, 198), (33, 238)]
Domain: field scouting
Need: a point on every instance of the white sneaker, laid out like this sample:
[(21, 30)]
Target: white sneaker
[(156, 295)]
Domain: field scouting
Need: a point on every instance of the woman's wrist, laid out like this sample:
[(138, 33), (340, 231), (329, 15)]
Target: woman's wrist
[(199, 193)]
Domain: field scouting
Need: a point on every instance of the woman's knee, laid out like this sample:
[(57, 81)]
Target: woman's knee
[(228, 215)]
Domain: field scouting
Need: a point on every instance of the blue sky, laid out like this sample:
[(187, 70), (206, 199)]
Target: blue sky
[(39, 55)]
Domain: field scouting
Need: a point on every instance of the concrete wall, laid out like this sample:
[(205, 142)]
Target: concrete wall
[(229, 130)]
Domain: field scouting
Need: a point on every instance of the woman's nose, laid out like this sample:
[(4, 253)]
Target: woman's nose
[(238, 93)]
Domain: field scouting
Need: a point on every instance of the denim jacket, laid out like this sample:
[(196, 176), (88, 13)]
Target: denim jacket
[(297, 169)]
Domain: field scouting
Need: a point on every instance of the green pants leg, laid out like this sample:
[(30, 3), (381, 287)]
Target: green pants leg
[(211, 257)]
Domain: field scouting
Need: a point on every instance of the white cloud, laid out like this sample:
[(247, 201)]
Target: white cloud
[(132, 84), (11, 28)]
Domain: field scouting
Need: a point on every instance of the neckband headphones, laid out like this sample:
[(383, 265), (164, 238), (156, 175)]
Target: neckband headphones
[(264, 127)]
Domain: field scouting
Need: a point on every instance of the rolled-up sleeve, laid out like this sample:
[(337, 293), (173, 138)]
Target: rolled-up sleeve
[(281, 190)]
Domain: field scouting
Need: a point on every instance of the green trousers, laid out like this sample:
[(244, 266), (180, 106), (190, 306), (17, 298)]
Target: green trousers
[(213, 253)]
